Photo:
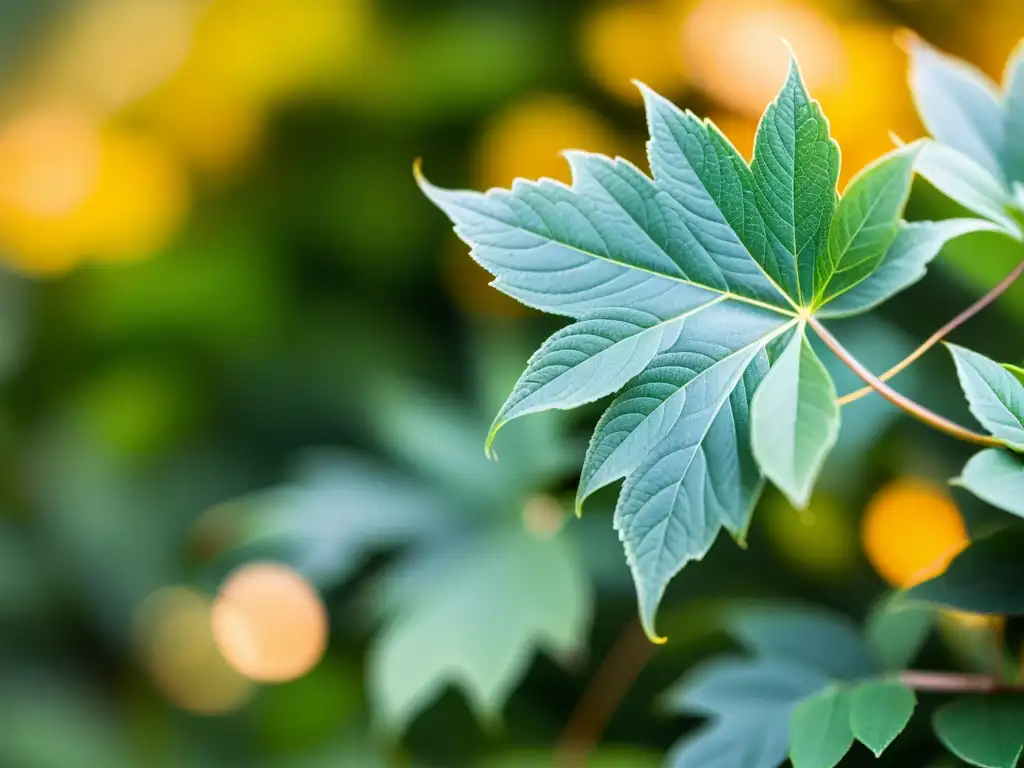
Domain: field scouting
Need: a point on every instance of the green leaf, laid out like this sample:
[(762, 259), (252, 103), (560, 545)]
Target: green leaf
[(879, 711), (1013, 149), (896, 629), (995, 396), (750, 701), (904, 263), (448, 626), (795, 168), (1016, 370), (866, 223), (983, 730), (795, 420), (995, 477), (819, 730), (588, 360), (958, 105), (987, 577), (820, 640), (689, 464), (961, 179)]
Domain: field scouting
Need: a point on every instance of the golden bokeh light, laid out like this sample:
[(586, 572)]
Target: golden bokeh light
[(911, 530), (821, 541), (526, 140), (74, 190), (634, 40), (269, 622), (175, 644), (735, 51), (113, 52)]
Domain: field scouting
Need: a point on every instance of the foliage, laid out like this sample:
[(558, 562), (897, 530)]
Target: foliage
[(692, 292)]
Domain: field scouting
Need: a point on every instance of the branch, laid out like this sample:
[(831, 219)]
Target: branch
[(997, 290), (946, 682), (918, 411), (603, 696)]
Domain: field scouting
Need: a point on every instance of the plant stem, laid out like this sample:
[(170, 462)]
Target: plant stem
[(918, 411), (603, 696), (997, 290), (948, 682)]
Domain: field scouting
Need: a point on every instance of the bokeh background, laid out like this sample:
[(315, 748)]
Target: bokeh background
[(246, 371)]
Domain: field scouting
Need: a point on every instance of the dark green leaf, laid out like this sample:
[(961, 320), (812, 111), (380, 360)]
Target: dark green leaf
[(983, 730), (987, 577), (879, 711)]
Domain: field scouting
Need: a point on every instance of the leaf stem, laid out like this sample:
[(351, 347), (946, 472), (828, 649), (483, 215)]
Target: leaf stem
[(954, 682), (918, 411), (997, 290), (602, 698)]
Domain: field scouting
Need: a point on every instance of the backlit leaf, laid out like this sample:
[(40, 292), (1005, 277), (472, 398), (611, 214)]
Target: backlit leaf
[(995, 396), (996, 477), (795, 420)]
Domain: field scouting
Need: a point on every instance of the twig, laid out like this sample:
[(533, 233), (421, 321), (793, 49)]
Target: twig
[(948, 682), (601, 700), (918, 411), (997, 290)]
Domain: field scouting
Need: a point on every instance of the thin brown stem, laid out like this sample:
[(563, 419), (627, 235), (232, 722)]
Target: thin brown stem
[(952, 682), (997, 290), (601, 700), (918, 411)]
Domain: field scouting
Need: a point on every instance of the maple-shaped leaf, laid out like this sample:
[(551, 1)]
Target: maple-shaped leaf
[(691, 290)]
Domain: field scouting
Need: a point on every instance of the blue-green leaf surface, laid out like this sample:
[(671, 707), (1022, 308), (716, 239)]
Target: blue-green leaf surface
[(995, 477), (958, 105), (1013, 150), (896, 629), (795, 420), (995, 396), (473, 615)]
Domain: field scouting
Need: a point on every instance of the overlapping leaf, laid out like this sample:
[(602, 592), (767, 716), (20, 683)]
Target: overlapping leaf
[(979, 160), (684, 285)]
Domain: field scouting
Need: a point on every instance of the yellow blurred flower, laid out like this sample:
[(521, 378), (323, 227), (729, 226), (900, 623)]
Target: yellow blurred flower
[(634, 39), (988, 34), (821, 541), (734, 49), (526, 140), (73, 189), (740, 130), (911, 530)]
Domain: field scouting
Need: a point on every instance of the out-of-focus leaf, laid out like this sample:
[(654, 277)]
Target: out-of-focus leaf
[(995, 477), (958, 105), (340, 509), (795, 420), (896, 629), (983, 730), (995, 396), (987, 577), (819, 730), (879, 711), (604, 757), (472, 615), (821, 640)]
